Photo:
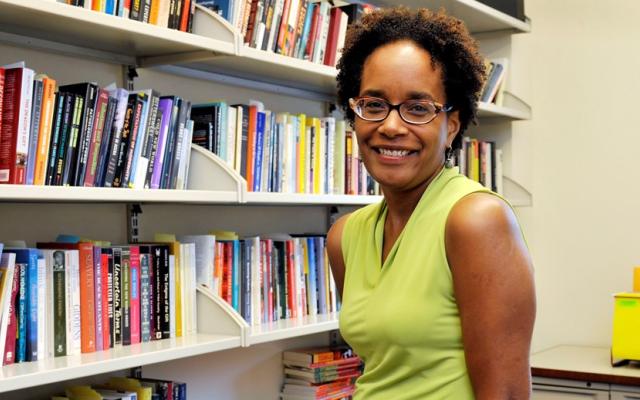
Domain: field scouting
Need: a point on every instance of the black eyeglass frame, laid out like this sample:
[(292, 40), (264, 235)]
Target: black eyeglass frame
[(439, 107)]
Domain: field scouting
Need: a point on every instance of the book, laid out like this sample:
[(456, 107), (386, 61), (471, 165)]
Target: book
[(8, 290)]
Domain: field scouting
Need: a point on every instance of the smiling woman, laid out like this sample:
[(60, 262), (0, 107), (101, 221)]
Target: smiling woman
[(436, 280)]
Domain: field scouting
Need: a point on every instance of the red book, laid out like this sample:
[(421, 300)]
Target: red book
[(218, 262), (291, 279), (184, 15), (9, 355), (311, 41), (106, 328), (332, 37), (1, 96), (282, 30), (227, 267), (251, 144), (134, 293), (16, 117)]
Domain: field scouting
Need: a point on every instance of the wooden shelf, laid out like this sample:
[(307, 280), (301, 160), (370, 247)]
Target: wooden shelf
[(76, 26), (490, 110), (24, 375), (289, 328), (477, 16)]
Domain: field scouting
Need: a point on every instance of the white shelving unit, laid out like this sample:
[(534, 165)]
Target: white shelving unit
[(213, 53)]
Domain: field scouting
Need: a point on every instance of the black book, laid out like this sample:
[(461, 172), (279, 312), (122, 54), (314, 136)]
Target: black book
[(171, 143), (72, 144), (280, 267), (116, 140), (89, 92), (146, 10), (124, 140), (204, 120), (56, 128), (135, 135), (135, 12), (105, 144), (162, 323), (117, 295), (63, 140)]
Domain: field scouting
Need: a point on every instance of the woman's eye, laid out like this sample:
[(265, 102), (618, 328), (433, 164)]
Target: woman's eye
[(418, 108)]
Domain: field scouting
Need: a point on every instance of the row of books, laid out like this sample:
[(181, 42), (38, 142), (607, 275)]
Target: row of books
[(309, 30), (273, 277), (494, 85), (320, 373), (85, 135), (482, 162), (122, 388), (283, 152), (66, 298), (172, 14)]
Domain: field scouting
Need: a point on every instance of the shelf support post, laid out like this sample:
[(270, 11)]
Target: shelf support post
[(133, 212)]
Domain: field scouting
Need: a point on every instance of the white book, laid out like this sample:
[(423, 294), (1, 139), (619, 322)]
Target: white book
[(88, 4), (185, 149), (163, 13), (322, 145), (342, 33), (204, 257), (72, 279), (237, 159), (330, 149), (275, 23), (7, 266), (232, 123), (320, 43), (332, 292), (42, 306), (172, 297), (183, 287)]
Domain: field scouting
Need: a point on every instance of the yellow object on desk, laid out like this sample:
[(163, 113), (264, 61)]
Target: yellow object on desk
[(626, 327)]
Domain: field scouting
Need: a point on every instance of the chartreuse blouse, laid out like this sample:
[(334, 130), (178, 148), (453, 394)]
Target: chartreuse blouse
[(402, 317)]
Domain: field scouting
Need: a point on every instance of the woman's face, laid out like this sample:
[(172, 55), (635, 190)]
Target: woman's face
[(398, 72)]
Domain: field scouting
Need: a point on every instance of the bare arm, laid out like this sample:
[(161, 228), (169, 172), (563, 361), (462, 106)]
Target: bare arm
[(493, 284), (334, 251)]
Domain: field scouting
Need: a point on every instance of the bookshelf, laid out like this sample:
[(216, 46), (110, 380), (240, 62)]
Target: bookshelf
[(215, 56)]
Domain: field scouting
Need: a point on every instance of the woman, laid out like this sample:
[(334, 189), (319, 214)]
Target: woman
[(436, 280)]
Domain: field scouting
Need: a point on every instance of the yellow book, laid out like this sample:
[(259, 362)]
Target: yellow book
[(174, 249), (317, 157), (82, 393), (302, 147), (130, 385), (224, 235), (153, 15)]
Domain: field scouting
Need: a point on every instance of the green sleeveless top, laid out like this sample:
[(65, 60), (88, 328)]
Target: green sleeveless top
[(402, 317)]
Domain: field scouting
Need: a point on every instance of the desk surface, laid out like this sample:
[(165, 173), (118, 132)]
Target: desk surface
[(583, 363)]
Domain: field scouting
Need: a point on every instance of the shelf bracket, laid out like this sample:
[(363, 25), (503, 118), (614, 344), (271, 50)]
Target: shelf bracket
[(133, 231)]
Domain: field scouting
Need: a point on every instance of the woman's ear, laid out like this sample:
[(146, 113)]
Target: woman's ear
[(453, 126)]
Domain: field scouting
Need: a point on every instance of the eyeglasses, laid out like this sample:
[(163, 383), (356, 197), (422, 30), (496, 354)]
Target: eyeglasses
[(417, 112)]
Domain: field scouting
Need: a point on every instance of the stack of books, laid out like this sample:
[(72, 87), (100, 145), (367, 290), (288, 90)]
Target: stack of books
[(324, 373), (172, 14), (85, 135), (283, 152), (481, 161)]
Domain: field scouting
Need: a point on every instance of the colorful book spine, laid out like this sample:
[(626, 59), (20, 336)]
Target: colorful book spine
[(99, 299), (145, 303), (134, 253)]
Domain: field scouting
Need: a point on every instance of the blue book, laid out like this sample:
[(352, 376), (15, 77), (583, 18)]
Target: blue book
[(120, 10), (321, 275), (1, 248), (246, 280), (27, 337), (222, 7), (257, 164), (312, 295), (36, 106), (110, 7), (235, 276), (306, 27)]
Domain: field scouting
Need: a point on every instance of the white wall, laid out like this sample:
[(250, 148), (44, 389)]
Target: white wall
[(579, 69)]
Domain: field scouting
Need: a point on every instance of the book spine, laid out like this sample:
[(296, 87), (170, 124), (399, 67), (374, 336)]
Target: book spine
[(125, 288), (99, 299), (134, 137), (59, 298), (43, 301), (117, 295), (108, 322), (13, 137), (87, 298), (21, 335), (91, 165), (32, 307), (135, 293), (87, 133), (125, 140), (74, 322), (45, 130), (36, 112), (116, 136), (169, 156), (145, 304), (165, 320), (69, 162), (9, 355), (166, 108), (153, 152), (257, 155)]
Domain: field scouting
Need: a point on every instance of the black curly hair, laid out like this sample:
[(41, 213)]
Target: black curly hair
[(445, 38)]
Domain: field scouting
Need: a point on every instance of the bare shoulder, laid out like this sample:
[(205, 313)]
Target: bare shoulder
[(334, 251), (481, 214)]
